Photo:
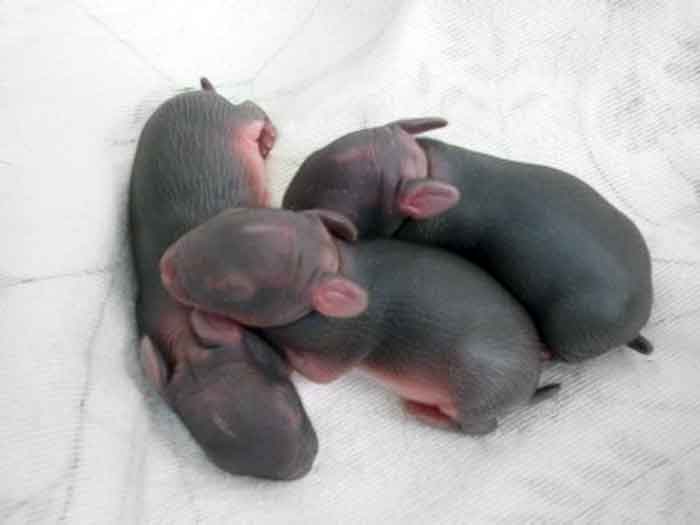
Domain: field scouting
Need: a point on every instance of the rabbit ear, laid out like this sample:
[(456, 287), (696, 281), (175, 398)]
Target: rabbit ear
[(415, 126), (339, 297), (215, 330), (424, 198), (206, 84), (336, 223), (153, 364)]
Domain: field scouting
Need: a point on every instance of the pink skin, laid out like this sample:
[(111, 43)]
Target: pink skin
[(213, 329), (426, 198), (167, 275), (252, 144), (426, 400), (312, 369)]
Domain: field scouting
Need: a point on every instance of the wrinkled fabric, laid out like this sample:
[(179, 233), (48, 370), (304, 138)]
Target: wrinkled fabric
[(607, 90)]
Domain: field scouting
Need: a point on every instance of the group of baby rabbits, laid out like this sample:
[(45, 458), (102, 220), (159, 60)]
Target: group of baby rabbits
[(448, 275)]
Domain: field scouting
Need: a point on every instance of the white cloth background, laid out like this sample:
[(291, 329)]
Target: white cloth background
[(608, 90)]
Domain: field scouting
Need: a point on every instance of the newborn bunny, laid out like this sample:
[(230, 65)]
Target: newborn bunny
[(197, 155), (375, 177), (433, 327), (579, 266)]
